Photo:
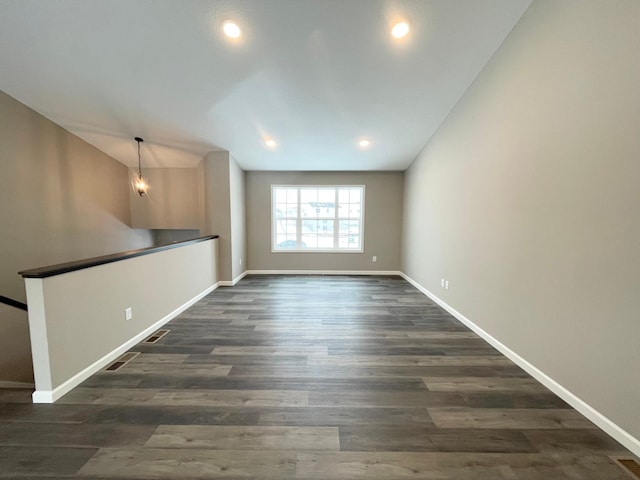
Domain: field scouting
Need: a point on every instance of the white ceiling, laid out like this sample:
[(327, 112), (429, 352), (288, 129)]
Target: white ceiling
[(315, 75)]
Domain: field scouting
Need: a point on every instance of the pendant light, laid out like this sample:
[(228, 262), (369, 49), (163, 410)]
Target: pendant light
[(140, 185)]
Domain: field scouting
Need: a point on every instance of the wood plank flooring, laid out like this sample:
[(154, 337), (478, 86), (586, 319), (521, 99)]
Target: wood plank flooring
[(308, 377)]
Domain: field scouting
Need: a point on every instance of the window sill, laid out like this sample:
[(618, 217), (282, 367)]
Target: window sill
[(310, 250)]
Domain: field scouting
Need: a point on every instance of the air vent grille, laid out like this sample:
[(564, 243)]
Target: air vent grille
[(122, 361), (631, 466), (156, 336), (115, 366)]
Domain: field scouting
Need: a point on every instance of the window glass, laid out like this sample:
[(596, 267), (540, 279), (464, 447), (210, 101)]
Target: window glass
[(307, 218)]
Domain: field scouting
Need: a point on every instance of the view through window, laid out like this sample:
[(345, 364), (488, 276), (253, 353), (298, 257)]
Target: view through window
[(317, 218)]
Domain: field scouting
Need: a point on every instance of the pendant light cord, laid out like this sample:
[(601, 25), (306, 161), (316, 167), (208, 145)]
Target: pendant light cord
[(139, 164)]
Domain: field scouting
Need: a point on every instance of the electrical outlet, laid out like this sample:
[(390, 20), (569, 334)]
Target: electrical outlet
[(446, 284), (374, 259), (128, 315), (442, 282)]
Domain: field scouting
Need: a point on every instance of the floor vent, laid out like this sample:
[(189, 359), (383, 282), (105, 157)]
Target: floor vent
[(631, 466), (156, 336), (122, 361)]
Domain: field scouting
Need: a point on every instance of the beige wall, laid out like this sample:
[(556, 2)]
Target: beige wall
[(221, 197), (382, 223), (213, 174), (15, 348), (85, 309), (60, 198), (238, 219), (172, 201), (527, 199), (163, 237)]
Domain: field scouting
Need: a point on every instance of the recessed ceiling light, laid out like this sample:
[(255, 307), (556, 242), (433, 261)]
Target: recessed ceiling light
[(364, 143), (400, 30), (231, 29), (270, 142)]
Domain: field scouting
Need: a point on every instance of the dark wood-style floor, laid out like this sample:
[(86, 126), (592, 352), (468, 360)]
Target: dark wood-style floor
[(308, 377)]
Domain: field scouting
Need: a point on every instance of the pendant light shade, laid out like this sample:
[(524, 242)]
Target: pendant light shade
[(140, 185)]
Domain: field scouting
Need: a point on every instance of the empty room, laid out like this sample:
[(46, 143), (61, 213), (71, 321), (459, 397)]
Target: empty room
[(320, 239)]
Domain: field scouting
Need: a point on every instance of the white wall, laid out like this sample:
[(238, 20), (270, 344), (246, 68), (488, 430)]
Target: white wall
[(527, 199)]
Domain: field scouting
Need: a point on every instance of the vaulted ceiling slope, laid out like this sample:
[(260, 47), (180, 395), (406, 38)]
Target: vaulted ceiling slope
[(315, 76)]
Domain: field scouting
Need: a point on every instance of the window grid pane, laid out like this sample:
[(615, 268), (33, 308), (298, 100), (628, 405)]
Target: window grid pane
[(317, 218)]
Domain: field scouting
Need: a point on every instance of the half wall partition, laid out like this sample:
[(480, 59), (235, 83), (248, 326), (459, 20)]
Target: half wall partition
[(84, 314)]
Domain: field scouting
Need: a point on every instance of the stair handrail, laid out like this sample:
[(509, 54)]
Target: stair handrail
[(13, 303)]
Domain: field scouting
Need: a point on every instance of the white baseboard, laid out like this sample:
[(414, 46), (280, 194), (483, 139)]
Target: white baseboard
[(50, 396), (231, 283), (324, 272), (614, 430)]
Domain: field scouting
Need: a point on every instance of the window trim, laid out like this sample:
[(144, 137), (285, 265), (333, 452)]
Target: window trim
[(316, 250)]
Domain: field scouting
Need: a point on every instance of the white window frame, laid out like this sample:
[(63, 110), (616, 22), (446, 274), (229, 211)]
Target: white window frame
[(335, 219)]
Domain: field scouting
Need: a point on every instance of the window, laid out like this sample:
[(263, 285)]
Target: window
[(310, 218)]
